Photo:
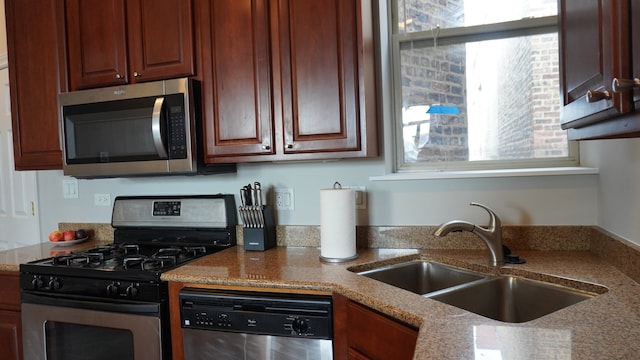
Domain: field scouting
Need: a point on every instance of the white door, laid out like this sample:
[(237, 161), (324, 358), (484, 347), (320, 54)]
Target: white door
[(19, 220)]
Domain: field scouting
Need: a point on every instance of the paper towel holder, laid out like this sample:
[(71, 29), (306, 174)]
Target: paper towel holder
[(338, 260), (337, 186)]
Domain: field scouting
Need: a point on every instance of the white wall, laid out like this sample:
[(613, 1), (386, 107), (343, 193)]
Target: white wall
[(549, 200), (618, 184)]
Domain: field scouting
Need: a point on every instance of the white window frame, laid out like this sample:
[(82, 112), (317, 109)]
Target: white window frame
[(391, 108)]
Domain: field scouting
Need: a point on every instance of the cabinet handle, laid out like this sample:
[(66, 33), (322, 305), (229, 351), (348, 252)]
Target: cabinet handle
[(595, 96), (266, 147), (289, 146), (620, 85), (118, 76), (136, 74)]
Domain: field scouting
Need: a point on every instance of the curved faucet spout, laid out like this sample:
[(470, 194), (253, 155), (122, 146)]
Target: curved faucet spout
[(491, 236), (453, 226)]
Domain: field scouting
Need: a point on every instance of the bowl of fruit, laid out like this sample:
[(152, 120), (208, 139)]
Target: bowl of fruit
[(68, 237)]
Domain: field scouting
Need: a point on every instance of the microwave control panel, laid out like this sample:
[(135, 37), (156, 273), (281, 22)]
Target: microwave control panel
[(177, 128)]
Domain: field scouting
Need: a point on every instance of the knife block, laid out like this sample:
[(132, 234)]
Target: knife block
[(259, 229)]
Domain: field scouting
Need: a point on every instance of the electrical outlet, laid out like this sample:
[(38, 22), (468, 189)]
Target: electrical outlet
[(284, 199), (361, 196), (102, 199)]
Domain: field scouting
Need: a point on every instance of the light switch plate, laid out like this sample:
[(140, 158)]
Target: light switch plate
[(70, 188)]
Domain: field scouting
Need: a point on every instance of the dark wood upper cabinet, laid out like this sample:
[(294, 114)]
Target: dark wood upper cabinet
[(37, 63), (287, 79), (236, 78), (319, 54), (596, 47), (112, 42)]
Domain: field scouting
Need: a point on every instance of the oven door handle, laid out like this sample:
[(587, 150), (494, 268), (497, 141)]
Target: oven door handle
[(142, 308)]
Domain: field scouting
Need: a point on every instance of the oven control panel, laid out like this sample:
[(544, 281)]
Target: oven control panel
[(166, 208), (87, 287), (308, 316), (193, 212)]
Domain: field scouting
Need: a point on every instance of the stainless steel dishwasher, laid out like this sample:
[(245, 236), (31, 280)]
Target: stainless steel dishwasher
[(255, 325)]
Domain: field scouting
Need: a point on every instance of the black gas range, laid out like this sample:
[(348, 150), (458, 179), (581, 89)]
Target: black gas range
[(152, 235)]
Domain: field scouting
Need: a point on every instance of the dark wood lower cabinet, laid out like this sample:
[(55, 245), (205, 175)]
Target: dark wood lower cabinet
[(10, 337), (363, 333), (10, 323)]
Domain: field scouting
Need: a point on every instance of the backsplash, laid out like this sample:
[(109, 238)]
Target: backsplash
[(409, 237), (615, 250)]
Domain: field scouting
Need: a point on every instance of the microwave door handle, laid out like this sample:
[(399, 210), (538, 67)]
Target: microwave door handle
[(155, 128)]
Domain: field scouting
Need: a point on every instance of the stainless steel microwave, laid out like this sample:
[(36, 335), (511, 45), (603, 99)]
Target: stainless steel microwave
[(134, 130)]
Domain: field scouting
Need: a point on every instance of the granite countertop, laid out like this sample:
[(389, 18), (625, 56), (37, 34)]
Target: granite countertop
[(10, 260), (606, 326)]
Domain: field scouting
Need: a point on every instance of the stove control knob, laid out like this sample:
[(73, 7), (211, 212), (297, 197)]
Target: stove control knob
[(37, 282), (55, 284), (112, 289), (132, 291), (300, 326)]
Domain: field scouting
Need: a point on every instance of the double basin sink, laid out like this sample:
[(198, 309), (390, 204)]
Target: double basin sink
[(505, 298)]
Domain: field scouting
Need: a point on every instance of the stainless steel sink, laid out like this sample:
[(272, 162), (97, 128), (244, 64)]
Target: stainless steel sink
[(512, 299), (422, 277)]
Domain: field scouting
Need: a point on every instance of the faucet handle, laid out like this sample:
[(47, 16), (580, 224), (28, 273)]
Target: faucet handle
[(494, 221)]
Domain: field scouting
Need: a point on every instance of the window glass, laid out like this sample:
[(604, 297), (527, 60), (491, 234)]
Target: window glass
[(477, 95), (423, 15)]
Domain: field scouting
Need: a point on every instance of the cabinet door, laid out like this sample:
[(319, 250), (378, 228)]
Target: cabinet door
[(97, 44), (362, 333), (10, 335), (594, 48), (35, 33), (378, 337), (236, 79), (10, 322), (160, 34), (10, 289), (320, 75)]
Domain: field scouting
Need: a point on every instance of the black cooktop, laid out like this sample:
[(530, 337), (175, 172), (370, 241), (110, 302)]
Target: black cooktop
[(126, 257)]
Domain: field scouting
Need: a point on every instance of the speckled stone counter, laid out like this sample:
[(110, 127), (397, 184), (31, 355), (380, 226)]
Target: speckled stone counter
[(604, 327), (10, 260)]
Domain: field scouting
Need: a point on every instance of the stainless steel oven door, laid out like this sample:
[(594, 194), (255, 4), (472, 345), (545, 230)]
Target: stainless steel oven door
[(74, 329)]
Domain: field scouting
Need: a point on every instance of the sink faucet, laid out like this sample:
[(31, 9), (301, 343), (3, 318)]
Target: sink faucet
[(492, 235)]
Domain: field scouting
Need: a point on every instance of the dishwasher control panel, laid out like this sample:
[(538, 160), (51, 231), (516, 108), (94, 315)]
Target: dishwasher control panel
[(295, 315)]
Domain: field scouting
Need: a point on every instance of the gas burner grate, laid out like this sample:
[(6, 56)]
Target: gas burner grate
[(78, 259), (148, 263)]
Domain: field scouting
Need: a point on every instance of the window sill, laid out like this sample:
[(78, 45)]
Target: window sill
[(502, 173)]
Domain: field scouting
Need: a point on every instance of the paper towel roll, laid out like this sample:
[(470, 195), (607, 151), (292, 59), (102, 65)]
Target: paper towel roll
[(337, 225)]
